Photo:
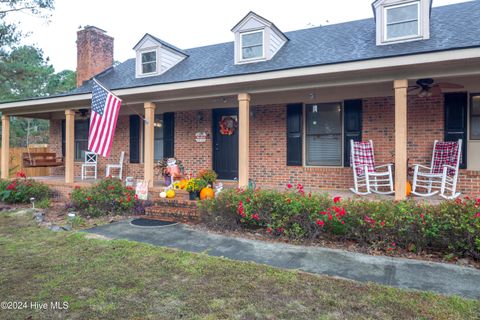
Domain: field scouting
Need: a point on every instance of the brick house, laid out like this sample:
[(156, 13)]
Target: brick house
[(297, 98)]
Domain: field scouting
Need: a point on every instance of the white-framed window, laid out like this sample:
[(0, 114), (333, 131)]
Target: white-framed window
[(475, 117), (252, 45), (402, 21), (324, 134), (149, 62)]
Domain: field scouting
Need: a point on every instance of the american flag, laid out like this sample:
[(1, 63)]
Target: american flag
[(103, 120)]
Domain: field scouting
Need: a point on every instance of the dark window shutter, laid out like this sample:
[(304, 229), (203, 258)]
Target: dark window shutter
[(135, 139), (168, 135), (456, 121), (294, 134), (63, 138), (352, 126)]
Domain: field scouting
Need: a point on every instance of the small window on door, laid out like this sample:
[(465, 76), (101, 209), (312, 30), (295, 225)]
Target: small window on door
[(324, 134), (475, 117), (158, 137)]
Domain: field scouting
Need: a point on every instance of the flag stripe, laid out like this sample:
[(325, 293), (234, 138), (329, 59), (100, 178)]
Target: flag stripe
[(103, 121), (110, 137), (105, 124), (111, 119)]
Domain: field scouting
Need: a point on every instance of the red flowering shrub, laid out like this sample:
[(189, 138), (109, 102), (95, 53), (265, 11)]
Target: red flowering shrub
[(109, 196), (451, 227), (21, 189)]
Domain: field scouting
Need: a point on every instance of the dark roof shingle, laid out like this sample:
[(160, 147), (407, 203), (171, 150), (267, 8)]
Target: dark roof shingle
[(452, 27)]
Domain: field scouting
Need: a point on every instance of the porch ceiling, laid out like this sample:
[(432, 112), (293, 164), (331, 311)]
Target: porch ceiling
[(332, 85)]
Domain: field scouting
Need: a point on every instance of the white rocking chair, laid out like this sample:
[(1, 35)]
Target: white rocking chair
[(365, 174), (90, 163), (118, 166), (442, 175)]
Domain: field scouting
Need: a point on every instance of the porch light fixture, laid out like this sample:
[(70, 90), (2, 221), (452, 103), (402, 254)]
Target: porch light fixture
[(200, 116), (315, 108), (311, 96), (157, 124)]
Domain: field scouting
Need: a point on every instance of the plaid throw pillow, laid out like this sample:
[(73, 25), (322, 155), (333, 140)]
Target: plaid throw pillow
[(363, 155), (445, 153)]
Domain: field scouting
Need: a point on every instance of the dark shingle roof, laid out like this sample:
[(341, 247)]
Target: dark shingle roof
[(452, 27)]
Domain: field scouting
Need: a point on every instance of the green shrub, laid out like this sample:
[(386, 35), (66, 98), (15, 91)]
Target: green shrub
[(109, 196), (451, 227), (21, 189), (43, 204)]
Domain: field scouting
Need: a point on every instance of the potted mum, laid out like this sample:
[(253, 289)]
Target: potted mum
[(194, 186), (208, 175)]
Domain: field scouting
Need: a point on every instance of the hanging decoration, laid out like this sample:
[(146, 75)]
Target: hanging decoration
[(228, 124)]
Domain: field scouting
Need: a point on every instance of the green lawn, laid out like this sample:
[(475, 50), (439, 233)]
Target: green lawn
[(121, 279)]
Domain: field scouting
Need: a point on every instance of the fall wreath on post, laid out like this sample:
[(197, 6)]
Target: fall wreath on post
[(228, 125)]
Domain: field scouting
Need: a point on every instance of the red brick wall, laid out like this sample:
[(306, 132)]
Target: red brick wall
[(268, 155), (268, 144), (194, 155), (94, 53)]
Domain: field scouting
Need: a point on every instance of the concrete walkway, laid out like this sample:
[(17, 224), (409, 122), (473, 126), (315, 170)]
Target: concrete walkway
[(402, 273)]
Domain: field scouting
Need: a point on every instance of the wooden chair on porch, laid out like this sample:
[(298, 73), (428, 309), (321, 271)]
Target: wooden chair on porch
[(366, 174), (118, 166), (90, 163), (442, 175)]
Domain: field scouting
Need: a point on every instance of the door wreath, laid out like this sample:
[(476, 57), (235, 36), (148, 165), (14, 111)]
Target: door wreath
[(228, 124)]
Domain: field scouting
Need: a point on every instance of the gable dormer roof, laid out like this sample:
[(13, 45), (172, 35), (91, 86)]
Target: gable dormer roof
[(252, 15), (160, 42)]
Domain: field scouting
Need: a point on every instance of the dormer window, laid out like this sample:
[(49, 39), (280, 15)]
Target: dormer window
[(256, 39), (402, 21), (252, 45), (149, 62), (155, 56)]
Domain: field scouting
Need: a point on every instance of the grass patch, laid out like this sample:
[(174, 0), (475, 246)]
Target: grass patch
[(123, 279)]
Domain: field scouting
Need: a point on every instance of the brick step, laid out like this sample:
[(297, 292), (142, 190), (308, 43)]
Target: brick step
[(174, 210)]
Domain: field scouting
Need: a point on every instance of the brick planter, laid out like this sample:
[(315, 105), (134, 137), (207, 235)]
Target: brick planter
[(174, 210)]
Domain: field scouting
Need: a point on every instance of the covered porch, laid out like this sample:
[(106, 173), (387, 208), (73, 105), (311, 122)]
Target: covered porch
[(401, 126)]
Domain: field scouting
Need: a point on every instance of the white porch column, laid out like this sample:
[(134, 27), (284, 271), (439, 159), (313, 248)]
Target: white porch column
[(69, 146), (149, 142), (5, 165), (400, 138), (243, 138)]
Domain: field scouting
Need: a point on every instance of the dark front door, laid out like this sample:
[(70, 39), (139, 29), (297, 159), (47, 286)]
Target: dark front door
[(225, 146)]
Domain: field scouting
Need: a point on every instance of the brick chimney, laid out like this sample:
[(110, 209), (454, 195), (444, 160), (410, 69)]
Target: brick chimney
[(94, 53)]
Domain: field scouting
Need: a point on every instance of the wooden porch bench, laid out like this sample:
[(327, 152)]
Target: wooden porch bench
[(41, 159)]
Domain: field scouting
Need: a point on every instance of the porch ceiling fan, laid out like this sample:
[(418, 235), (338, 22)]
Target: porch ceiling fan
[(82, 112), (427, 87)]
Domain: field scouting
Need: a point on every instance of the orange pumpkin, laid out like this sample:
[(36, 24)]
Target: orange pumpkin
[(182, 184), (207, 193), (409, 188)]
